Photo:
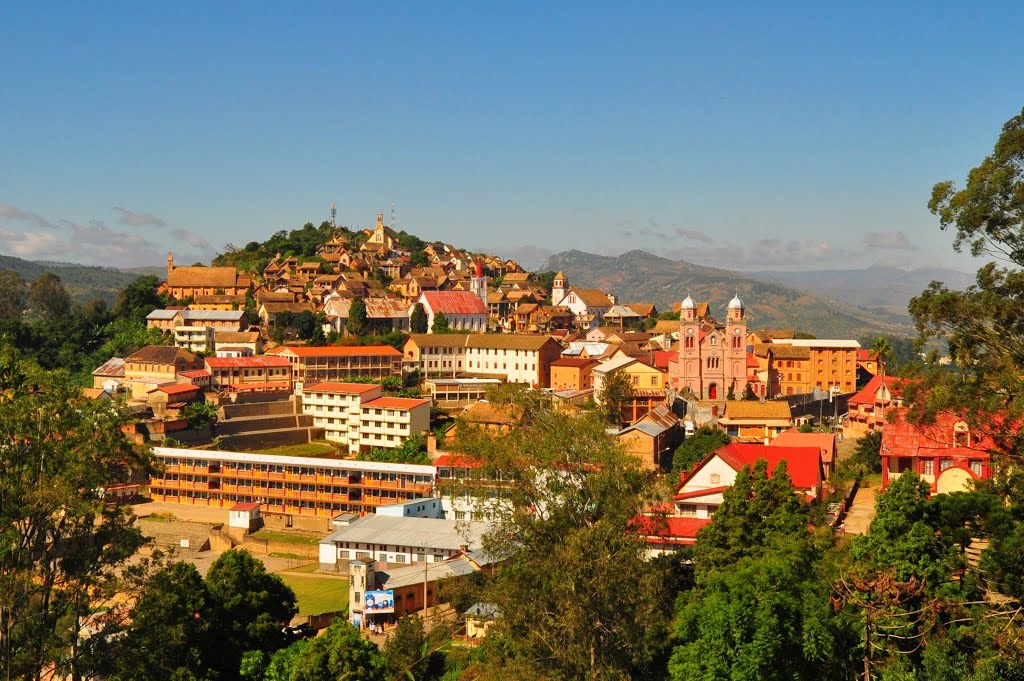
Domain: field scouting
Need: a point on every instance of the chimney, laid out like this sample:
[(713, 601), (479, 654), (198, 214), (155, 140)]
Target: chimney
[(431, 445), (613, 299)]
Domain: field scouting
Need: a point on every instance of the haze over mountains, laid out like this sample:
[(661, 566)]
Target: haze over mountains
[(844, 303)]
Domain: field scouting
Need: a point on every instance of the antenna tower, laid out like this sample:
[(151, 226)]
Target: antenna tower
[(393, 216), (334, 214)]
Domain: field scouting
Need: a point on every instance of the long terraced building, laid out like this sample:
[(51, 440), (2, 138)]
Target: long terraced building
[(286, 484)]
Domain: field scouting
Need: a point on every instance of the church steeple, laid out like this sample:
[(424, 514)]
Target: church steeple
[(559, 287), (478, 284)]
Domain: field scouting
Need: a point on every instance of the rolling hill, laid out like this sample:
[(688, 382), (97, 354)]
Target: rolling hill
[(637, 276), (84, 282)]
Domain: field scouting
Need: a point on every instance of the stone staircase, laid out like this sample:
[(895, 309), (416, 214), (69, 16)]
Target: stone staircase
[(184, 538), (260, 425)]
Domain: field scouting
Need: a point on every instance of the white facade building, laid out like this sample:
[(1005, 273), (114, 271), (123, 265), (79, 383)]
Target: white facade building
[(356, 415)]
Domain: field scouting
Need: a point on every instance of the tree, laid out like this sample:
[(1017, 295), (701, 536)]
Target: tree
[(338, 653), (13, 295), (440, 324), (418, 258), (406, 652), (49, 298), (760, 609), (577, 598), (173, 633), (138, 299), (200, 413), (356, 324), (868, 453), (695, 448), (418, 319), (61, 546), (615, 395), (252, 607)]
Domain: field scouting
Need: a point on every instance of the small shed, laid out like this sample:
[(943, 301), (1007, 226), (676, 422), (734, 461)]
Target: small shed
[(244, 515)]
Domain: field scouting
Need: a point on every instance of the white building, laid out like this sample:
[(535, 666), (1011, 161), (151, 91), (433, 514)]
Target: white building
[(400, 540), (510, 357), (464, 310), (356, 415), (588, 305)]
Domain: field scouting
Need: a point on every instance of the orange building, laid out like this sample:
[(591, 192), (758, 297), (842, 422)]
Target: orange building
[(573, 373), (191, 282), (307, 486), (819, 363)]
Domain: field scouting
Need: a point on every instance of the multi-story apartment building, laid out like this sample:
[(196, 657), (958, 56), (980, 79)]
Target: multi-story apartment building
[(356, 415), (335, 363), (249, 373), (285, 484), (829, 365), (389, 421), (511, 358)]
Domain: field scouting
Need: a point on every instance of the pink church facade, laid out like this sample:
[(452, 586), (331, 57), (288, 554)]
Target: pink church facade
[(712, 359)]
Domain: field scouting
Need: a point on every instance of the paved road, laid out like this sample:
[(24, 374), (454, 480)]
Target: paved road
[(861, 512)]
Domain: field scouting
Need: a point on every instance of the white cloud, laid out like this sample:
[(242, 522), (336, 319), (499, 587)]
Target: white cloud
[(11, 212), (888, 241), (32, 244), (136, 219), (192, 239)]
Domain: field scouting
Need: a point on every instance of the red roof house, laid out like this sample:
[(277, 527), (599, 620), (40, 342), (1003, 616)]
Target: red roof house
[(946, 454), (867, 408)]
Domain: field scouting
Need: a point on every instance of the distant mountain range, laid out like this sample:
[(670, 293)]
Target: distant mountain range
[(853, 304), (84, 282), (887, 290)]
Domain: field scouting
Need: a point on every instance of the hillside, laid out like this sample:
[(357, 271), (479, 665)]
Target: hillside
[(637, 276), (84, 282), (887, 290)]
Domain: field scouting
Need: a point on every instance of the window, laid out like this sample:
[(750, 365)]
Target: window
[(976, 467), (927, 467), (716, 479), (636, 380), (944, 464)]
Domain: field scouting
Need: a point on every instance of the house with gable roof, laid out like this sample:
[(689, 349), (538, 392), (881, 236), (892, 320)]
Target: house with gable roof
[(464, 310)]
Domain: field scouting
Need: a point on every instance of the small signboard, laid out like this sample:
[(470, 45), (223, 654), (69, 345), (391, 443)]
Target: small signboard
[(379, 602)]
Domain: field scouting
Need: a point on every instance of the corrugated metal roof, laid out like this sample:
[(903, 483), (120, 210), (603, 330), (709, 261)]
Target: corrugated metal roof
[(433, 533)]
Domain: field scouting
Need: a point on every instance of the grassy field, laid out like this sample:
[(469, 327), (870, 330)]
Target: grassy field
[(285, 537), (318, 448), (317, 594)]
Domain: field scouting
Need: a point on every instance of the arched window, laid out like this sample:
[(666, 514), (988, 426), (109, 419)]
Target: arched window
[(961, 434)]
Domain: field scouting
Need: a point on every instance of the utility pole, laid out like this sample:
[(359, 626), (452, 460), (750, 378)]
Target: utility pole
[(425, 613)]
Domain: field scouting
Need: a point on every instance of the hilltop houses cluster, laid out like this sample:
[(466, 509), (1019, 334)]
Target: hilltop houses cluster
[(700, 364)]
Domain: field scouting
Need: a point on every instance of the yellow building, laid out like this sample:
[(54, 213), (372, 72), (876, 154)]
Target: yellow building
[(156, 365), (753, 421), (572, 373), (829, 365)]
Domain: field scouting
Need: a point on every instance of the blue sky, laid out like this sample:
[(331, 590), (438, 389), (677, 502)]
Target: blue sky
[(746, 136)]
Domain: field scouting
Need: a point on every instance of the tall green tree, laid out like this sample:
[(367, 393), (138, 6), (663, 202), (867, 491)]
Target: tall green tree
[(356, 324), (418, 319), (49, 298), (338, 653), (252, 607), (60, 544), (578, 600), (13, 295), (138, 299), (760, 609), (440, 324), (615, 395), (173, 634)]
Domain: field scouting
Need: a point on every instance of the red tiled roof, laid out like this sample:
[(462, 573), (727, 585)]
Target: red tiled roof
[(866, 355), (333, 387), (179, 388), (803, 463), (246, 362), (455, 461), (866, 395), (752, 362), (197, 373), (335, 350), (454, 302), (396, 403), (573, 362), (245, 506), (902, 438), (669, 530), (661, 358)]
